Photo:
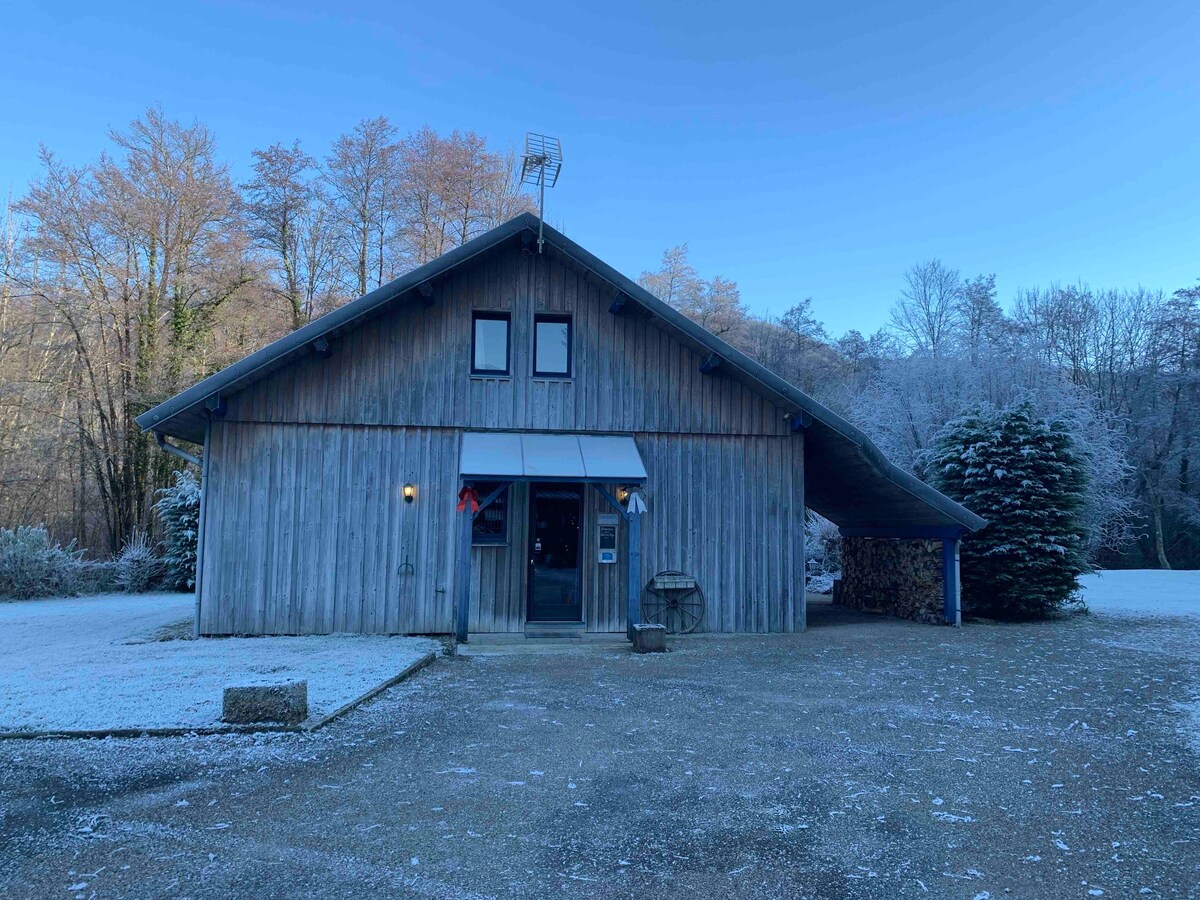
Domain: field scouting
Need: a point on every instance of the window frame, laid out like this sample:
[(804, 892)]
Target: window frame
[(485, 488), (492, 315), (555, 318)]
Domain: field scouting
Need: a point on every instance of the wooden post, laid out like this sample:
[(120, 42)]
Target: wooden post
[(950, 581), (204, 470), (462, 584), (634, 575)]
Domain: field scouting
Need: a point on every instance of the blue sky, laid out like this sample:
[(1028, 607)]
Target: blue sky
[(802, 149)]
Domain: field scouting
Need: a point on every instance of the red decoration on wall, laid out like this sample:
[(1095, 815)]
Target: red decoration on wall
[(468, 495)]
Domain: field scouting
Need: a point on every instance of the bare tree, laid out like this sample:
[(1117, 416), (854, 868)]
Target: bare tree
[(469, 176), (37, 440), (716, 304), (424, 191), (318, 255), (362, 173), (676, 280), (503, 197), (135, 256), (926, 313), (796, 347), (290, 221)]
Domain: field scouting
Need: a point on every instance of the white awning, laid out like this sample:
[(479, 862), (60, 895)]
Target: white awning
[(508, 456)]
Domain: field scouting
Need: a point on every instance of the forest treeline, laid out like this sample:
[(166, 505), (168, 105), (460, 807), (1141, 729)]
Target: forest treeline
[(1120, 369), (126, 279)]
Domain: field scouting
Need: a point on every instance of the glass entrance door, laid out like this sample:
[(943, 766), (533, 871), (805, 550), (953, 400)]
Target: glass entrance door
[(555, 512)]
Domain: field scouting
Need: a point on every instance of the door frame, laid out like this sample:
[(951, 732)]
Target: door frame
[(531, 541)]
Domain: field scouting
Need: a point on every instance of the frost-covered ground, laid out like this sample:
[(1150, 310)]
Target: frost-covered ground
[(1151, 594), (92, 663), (1143, 592), (865, 758)]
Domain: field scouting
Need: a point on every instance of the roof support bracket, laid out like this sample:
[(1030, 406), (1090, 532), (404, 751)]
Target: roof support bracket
[(163, 444), (612, 501), (799, 420), (711, 363), (215, 405), (425, 289), (322, 347)]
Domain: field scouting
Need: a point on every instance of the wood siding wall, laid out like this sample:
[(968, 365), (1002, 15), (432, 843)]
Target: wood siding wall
[(412, 367), (729, 511), (306, 529)]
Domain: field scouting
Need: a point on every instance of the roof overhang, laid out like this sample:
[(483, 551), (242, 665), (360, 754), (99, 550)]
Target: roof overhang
[(184, 415), (847, 478)]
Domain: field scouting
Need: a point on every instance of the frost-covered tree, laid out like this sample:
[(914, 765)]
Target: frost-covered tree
[(906, 401), (178, 509), (981, 321), (1137, 354), (139, 567), (1027, 478), (822, 552), (926, 314)]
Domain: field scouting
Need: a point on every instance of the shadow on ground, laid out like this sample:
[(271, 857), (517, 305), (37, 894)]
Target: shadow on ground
[(822, 613)]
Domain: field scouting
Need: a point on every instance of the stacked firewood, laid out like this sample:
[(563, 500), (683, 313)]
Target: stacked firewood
[(896, 577)]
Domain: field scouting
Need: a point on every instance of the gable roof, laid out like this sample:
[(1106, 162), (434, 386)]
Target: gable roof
[(847, 478)]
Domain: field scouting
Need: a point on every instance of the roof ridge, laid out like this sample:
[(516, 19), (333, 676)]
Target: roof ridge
[(248, 369)]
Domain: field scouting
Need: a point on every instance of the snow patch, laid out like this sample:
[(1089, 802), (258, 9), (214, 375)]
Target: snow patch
[(1142, 592), (951, 817), (92, 663)]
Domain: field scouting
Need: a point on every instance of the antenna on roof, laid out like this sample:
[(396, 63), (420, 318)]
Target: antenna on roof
[(540, 165)]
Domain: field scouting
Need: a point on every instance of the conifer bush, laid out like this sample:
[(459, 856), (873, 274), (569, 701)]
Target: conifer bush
[(178, 509), (1026, 477)]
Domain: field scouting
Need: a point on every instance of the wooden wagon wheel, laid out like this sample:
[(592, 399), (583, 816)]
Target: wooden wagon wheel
[(673, 599)]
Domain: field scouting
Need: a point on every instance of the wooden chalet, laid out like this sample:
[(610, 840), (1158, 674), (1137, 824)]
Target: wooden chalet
[(520, 442)]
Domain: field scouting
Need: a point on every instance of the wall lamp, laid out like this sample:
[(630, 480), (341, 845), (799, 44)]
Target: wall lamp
[(623, 493), (410, 492)]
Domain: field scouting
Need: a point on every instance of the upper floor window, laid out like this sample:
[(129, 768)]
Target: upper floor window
[(552, 345), (490, 343)]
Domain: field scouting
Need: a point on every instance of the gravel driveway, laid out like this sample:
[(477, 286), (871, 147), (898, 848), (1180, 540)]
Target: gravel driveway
[(865, 758)]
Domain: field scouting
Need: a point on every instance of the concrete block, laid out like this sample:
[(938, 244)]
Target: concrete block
[(287, 703), (649, 638)]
